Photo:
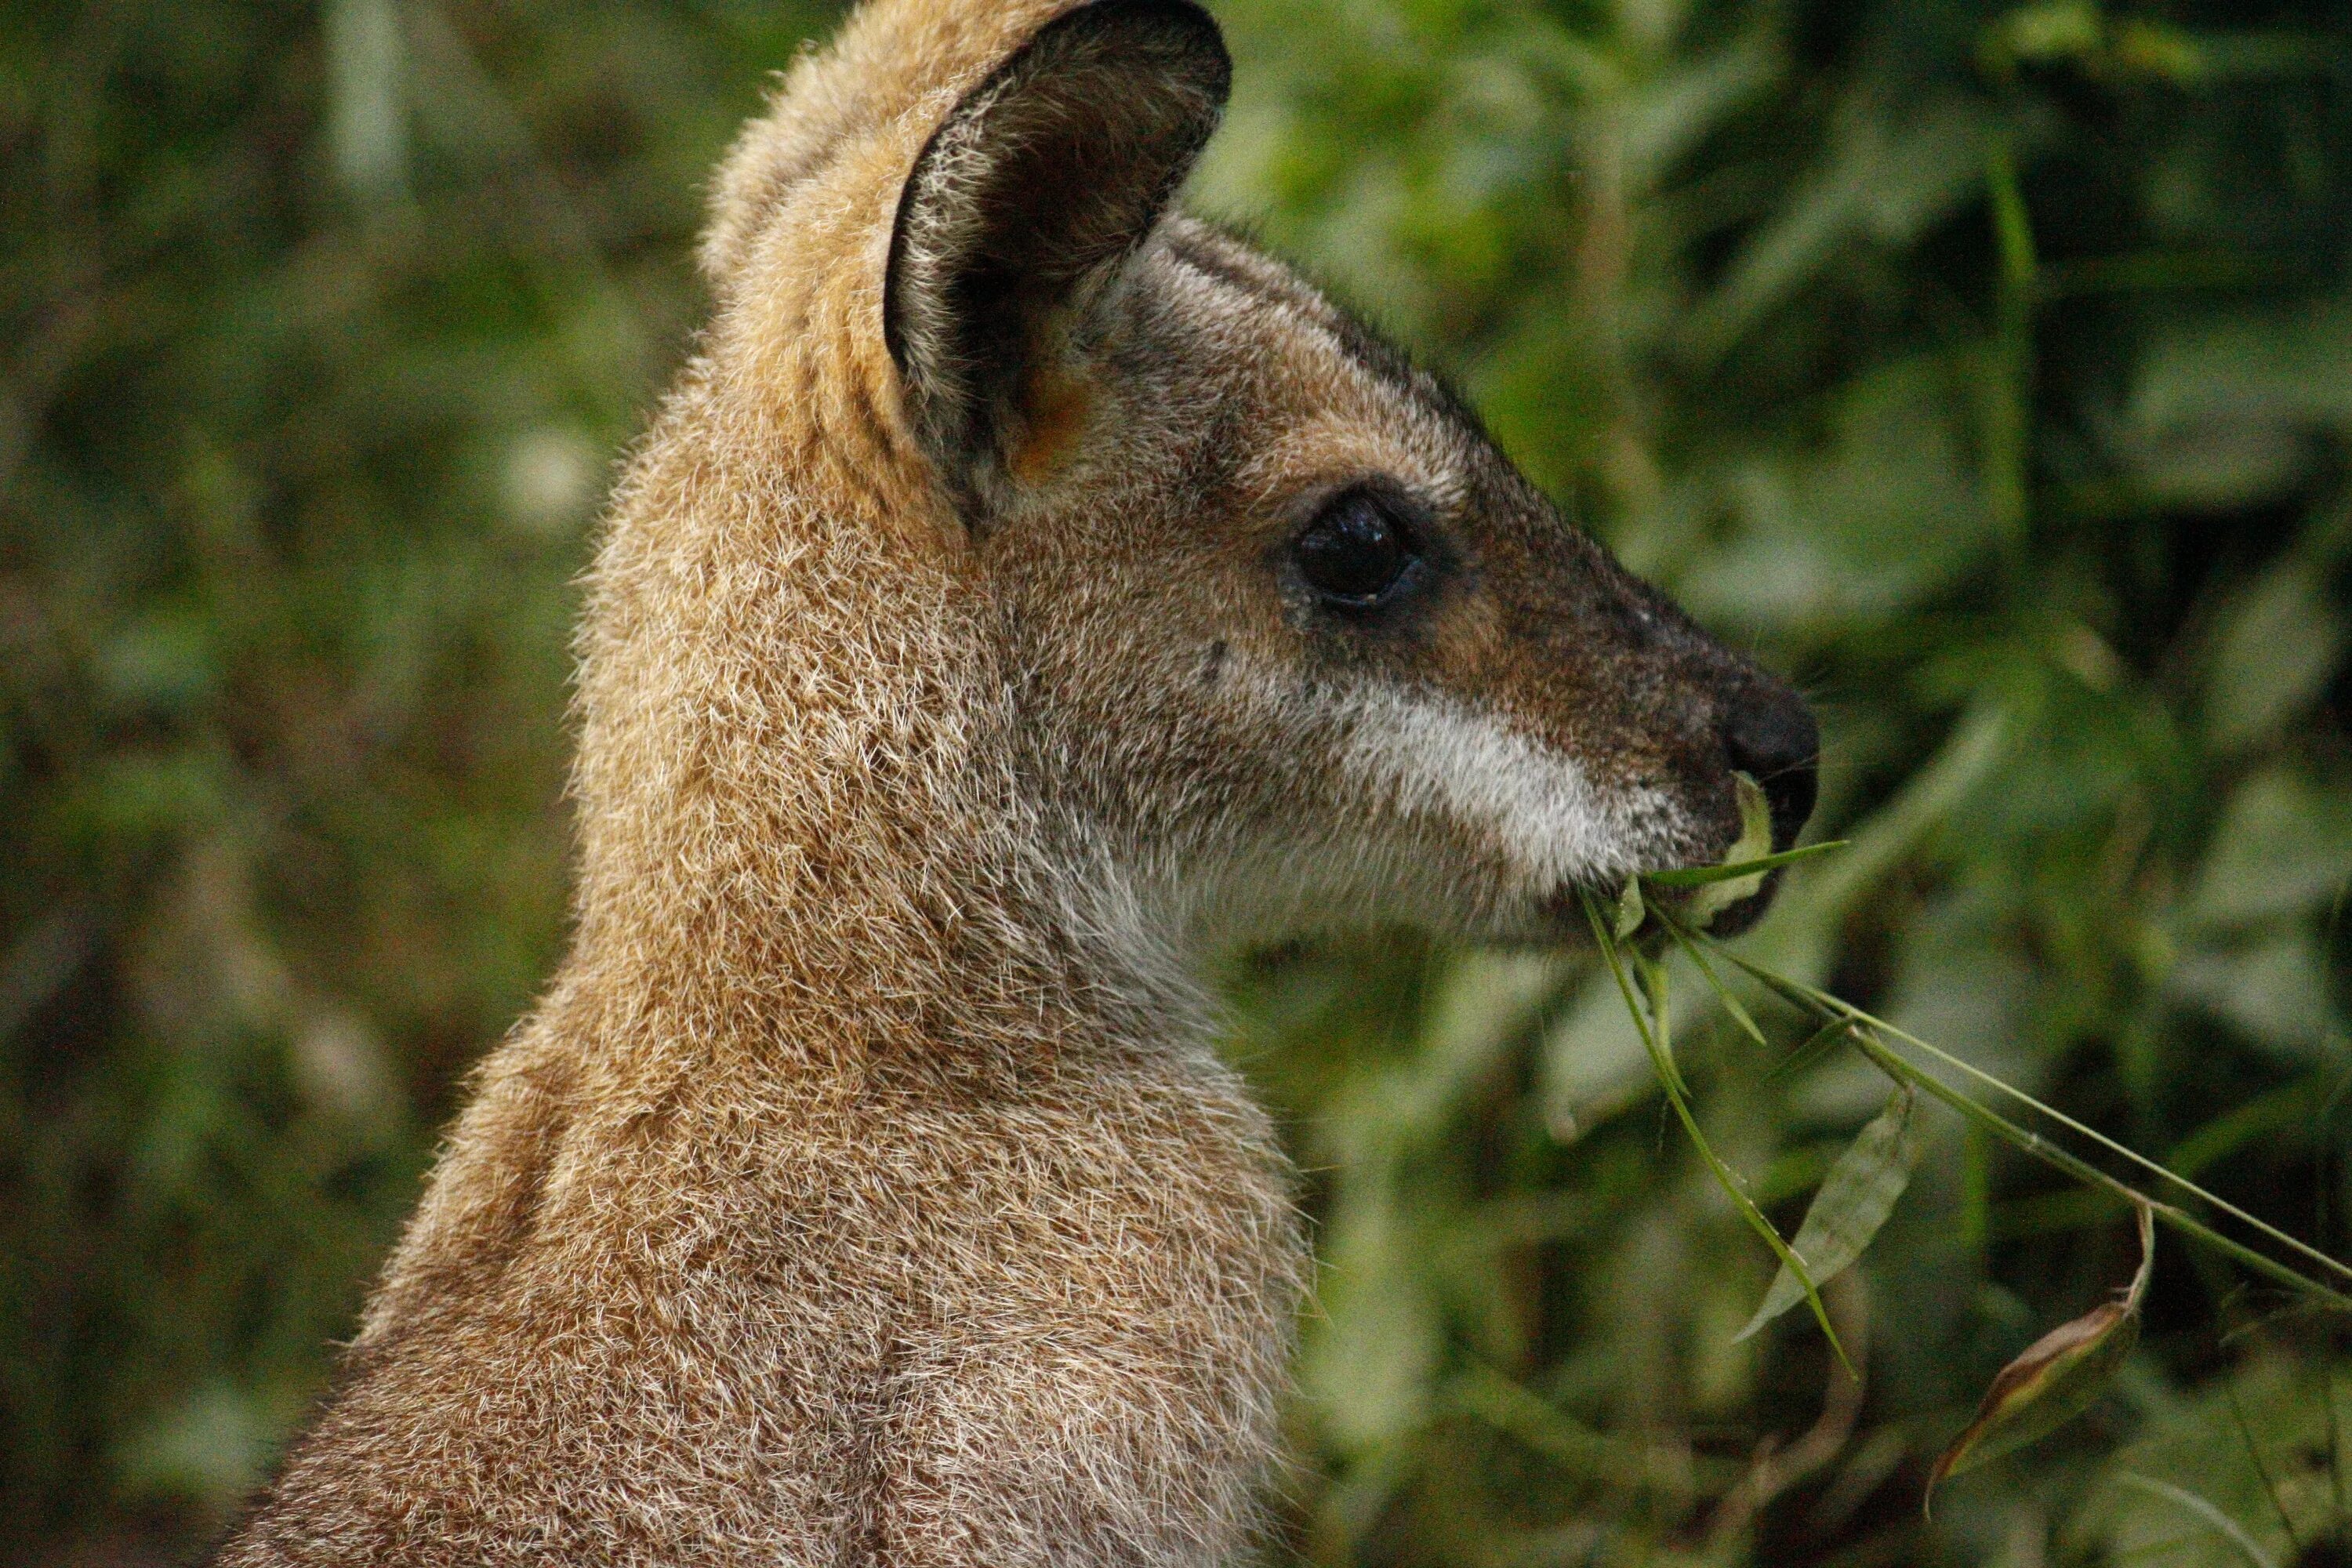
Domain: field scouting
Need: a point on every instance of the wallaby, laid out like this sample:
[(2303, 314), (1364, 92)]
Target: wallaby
[(1026, 591)]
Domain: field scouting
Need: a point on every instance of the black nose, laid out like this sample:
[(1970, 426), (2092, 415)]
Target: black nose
[(1771, 737)]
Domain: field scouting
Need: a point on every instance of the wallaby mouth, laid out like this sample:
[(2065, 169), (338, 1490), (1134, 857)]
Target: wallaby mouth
[(1774, 746), (1566, 909), (1769, 736)]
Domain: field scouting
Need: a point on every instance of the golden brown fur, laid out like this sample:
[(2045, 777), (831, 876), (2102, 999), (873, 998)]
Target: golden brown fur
[(865, 1189)]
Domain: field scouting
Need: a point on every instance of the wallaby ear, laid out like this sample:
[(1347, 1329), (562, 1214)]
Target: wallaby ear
[(1026, 204)]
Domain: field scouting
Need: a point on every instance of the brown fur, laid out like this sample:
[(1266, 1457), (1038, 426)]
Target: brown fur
[(865, 1189)]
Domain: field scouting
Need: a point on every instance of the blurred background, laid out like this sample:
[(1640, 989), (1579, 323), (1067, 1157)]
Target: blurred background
[(1988, 370)]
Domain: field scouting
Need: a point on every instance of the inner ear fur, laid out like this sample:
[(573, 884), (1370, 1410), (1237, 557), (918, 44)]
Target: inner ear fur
[(1025, 204)]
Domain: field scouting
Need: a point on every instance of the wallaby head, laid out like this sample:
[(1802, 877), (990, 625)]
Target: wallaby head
[(1291, 641)]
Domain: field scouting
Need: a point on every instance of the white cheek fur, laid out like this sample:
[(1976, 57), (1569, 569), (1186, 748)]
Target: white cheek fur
[(1428, 755)]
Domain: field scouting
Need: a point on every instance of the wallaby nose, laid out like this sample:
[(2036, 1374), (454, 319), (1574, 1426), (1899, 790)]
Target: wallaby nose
[(1771, 736)]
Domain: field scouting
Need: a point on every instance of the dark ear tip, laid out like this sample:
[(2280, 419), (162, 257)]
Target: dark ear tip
[(1183, 23), (1060, 163)]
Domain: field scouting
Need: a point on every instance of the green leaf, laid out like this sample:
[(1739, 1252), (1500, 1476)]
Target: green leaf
[(2065, 29), (2283, 846), (1630, 910), (1854, 1201), (1755, 843), (1864, 1030), (1658, 995), (2058, 1377), (2277, 644), (1731, 1004)]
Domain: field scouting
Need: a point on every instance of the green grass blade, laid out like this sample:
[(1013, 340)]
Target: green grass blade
[(2033, 1143), (1858, 1025), (2220, 1522), (1670, 1079), (1701, 876), (1520, 1412), (1817, 1044), (1822, 1002), (1731, 1004), (1653, 992), (1661, 1056)]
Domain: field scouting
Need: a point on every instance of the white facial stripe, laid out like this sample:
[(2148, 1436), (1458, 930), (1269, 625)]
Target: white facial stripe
[(1430, 755)]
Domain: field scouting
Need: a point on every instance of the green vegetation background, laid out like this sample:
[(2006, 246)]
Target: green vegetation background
[(1988, 370)]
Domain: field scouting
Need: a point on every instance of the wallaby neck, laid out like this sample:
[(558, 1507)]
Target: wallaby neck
[(804, 813)]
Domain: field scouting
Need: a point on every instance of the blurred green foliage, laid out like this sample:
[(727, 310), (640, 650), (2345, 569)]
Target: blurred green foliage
[(1990, 369)]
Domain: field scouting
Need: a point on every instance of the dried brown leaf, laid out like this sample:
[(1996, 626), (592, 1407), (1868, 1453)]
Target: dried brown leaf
[(2055, 1379)]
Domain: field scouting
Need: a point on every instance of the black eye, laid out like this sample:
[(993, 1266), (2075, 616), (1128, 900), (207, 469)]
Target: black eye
[(1355, 551)]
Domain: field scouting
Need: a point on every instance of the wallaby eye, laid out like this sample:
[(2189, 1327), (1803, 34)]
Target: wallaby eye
[(1356, 551)]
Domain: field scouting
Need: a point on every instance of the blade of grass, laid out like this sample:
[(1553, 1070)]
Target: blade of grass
[(2033, 1143), (1975, 1190), (1817, 1044), (1670, 1079), (1722, 993), (1519, 1412), (1701, 876), (2007, 392), (2223, 1524), (1653, 992), (2262, 1467), (1663, 1059), (1821, 1002), (1859, 1026), (2050, 1153)]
